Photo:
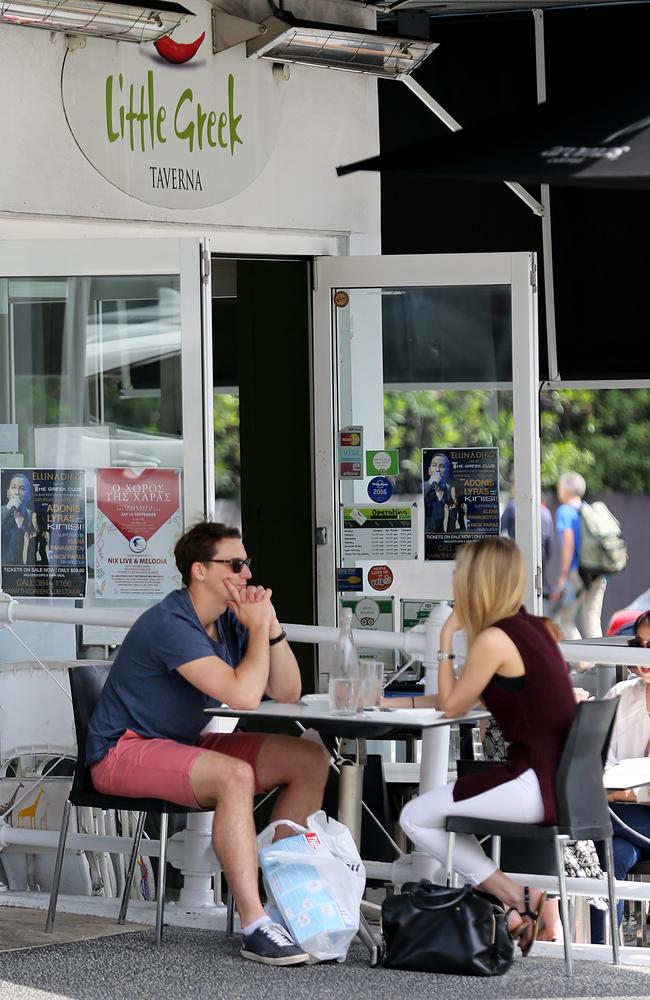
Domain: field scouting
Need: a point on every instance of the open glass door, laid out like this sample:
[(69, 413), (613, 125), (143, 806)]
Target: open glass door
[(102, 347), (433, 361)]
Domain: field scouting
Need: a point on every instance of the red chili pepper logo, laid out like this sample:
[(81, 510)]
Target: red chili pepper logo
[(178, 52)]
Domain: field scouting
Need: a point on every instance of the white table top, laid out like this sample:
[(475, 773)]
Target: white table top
[(313, 711), (630, 773)]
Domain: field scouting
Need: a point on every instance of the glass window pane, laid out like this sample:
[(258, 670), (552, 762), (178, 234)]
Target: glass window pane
[(448, 334), (94, 352), (422, 368), (92, 378), (604, 434), (225, 355)]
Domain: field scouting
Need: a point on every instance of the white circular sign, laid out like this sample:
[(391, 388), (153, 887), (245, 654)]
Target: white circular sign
[(381, 461), (180, 135), (367, 612)]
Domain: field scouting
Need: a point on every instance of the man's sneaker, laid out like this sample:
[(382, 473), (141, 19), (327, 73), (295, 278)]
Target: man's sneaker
[(272, 945)]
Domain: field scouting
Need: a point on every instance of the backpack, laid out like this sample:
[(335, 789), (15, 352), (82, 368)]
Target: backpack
[(603, 550)]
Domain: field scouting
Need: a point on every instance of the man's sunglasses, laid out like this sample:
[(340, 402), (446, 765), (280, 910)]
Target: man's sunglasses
[(636, 641), (236, 565)]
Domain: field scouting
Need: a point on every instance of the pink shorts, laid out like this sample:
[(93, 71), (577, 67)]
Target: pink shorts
[(144, 768)]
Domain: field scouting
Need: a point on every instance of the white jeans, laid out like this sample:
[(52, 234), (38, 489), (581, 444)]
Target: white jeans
[(423, 820), (590, 601)]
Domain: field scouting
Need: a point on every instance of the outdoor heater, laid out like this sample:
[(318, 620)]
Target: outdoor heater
[(283, 38), (123, 22)]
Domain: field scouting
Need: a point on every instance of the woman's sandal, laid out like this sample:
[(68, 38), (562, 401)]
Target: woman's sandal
[(535, 916)]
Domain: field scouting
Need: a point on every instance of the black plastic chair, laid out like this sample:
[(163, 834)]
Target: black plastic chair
[(86, 684), (581, 805)]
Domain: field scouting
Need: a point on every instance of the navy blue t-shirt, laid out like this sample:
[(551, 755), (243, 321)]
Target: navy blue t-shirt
[(144, 692)]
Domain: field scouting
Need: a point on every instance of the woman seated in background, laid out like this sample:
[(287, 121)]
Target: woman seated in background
[(516, 668), (630, 738)]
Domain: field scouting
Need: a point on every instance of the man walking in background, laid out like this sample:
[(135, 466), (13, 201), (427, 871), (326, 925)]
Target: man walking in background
[(571, 593)]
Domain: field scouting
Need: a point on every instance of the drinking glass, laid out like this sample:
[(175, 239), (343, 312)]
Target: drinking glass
[(372, 679)]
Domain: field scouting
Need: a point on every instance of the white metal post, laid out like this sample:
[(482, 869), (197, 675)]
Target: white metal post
[(545, 196), (525, 408), (193, 382), (207, 378)]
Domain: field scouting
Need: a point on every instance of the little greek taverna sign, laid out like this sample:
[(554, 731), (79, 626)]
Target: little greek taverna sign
[(179, 135)]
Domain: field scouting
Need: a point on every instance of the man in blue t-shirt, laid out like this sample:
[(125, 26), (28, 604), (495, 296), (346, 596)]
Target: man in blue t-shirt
[(216, 640), (571, 593)]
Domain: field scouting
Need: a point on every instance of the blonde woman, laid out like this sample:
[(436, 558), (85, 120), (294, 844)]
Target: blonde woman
[(514, 666)]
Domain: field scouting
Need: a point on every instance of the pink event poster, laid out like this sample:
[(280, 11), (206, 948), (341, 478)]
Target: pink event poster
[(138, 520)]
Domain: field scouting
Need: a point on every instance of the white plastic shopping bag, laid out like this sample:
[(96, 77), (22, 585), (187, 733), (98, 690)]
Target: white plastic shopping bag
[(315, 881)]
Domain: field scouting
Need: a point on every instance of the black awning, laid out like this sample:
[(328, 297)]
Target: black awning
[(597, 141)]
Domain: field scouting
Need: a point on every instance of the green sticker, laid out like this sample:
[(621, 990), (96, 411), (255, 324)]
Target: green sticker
[(382, 463)]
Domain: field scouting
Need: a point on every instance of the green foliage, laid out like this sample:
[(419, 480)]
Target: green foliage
[(602, 433), (227, 459), (139, 413), (435, 418)]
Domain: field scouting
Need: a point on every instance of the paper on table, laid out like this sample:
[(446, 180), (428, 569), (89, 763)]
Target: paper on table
[(411, 716), (629, 773)]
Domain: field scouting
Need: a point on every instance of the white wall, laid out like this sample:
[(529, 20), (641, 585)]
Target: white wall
[(328, 118)]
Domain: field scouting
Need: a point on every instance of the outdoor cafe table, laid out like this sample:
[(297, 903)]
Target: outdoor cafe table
[(312, 712)]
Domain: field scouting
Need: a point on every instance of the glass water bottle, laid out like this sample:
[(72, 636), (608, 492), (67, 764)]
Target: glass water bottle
[(344, 675)]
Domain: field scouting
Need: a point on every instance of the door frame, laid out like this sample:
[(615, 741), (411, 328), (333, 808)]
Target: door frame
[(519, 271)]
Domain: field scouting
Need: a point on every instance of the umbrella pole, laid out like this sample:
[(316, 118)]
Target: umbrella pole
[(547, 245)]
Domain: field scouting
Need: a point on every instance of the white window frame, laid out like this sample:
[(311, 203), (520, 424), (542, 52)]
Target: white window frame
[(518, 270), (51, 258)]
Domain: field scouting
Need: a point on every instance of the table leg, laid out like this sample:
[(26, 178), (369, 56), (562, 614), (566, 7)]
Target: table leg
[(351, 764), (433, 773), (435, 758)]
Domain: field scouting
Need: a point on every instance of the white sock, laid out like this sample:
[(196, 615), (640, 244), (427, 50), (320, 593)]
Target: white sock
[(250, 928)]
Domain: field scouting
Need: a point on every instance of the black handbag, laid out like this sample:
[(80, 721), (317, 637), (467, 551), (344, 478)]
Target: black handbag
[(435, 928)]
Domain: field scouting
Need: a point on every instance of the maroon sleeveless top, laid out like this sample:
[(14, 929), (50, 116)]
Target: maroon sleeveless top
[(534, 716)]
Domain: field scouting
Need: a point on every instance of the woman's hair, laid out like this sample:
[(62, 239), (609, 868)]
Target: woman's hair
[(552, 627), (489, 582)]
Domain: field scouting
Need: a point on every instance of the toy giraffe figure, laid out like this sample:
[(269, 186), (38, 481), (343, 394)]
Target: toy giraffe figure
[(6, 807), (29, 812)]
